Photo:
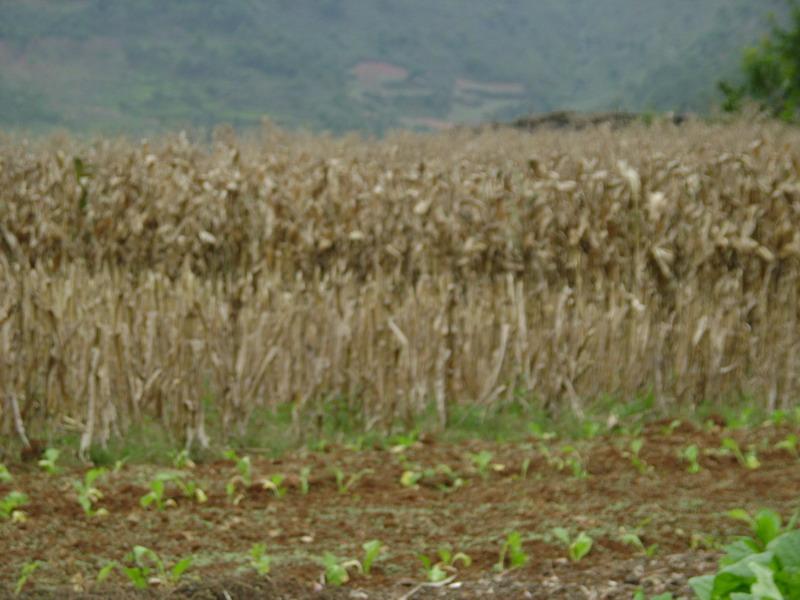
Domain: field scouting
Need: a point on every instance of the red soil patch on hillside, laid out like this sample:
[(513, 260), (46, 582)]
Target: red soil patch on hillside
[(371, 71)]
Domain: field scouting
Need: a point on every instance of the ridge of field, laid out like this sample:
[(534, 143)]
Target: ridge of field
[(179, 283), (105, 66)]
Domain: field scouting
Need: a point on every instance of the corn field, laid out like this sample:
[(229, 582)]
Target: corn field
[(164, 279)]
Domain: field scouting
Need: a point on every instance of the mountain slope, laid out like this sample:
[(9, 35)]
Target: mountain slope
[(115, 65)]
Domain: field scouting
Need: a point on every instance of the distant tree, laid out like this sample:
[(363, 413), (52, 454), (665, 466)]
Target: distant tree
[(771, 72)]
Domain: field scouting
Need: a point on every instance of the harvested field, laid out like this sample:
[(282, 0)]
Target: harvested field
[(138, 279)]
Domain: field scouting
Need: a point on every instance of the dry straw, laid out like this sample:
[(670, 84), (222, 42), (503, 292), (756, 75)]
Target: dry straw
[(137, 279)]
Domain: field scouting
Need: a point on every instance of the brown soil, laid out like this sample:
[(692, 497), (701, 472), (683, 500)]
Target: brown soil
[(681, 513)]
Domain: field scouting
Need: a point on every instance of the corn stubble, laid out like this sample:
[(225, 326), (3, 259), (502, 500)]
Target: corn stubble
[(135, 279)]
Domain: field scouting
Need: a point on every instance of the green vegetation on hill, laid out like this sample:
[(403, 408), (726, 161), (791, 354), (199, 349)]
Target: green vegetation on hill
[(112, 65)]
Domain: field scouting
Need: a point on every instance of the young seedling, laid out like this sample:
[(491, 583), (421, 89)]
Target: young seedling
[(372, 550), (343, 483), (144, 567), (766, 525), (512, 556), (668, 430), (482, 461), (157, 493), (5, 476), (691, 454), (576, 548), (789, 444), (539, 432), (336, 569), (27, 570), (48, 462), (258, 560), (438, 571), (574, 462), (10, 504), (637, 461), (244, 476), (181, 460), (275, 483), (305, 473), (632, 539), (748, 460), (88, 494)]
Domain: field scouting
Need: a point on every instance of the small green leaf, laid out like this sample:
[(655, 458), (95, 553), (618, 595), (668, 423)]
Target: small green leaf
[(180, 568), (580, 547), (106, 571)]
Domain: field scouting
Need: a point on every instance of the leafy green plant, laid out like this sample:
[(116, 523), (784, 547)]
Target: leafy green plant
[(748, 460), (512, 556), (336, 569), (372, 550), (48, 462), (691, 455), (765, 567), (344, 483), (88, 494), (27, 570), (578, 547), (5, 476), (143, 566), (258, 560), (275, 483), (157, 493), (574, 462), (10, 505)]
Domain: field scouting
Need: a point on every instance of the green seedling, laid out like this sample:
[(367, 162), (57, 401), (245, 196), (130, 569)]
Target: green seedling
[(305, 473), (372, 550), (144, 567), (632, 539), (10, 504), (343, 483), (434, 572), (578, 547), (88, 494), (410, 479), (243, 478), (512, 556), (275, 483), (439, 571), (748, 460), (336, 569), (765, 525), (789, 444), (523, 470), (668, 430), (540, 433), (5, 476), (637, 461), (181, 460), (258, 560), (48, 462), (157, 493), (27, 570), (691, 455), (482, 461), (574, 462), (400, 442)]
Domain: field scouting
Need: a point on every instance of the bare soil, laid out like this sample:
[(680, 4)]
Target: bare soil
[(679, 515)]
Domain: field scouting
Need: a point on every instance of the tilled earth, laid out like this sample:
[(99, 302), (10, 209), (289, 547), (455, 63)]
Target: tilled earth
[(445, 499)]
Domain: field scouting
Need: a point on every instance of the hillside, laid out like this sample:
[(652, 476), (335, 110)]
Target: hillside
[(111, 66)]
